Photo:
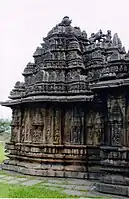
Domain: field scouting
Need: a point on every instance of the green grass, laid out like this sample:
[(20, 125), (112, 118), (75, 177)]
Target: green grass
[(1, 152), (18, 191)]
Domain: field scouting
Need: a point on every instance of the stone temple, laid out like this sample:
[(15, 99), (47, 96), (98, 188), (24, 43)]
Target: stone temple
[(70, 116)]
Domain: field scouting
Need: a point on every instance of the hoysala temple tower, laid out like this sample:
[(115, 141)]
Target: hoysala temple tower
[(70, 116)]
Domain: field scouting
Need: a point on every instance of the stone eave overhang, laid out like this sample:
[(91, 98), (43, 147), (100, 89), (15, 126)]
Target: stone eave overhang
[(34, 99), (110, 84)]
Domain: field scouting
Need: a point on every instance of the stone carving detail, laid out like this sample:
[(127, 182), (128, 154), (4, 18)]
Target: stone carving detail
[(16, 125), (57, 127), (96, 37), (14, 134), (37, 125), (108, 36), (77, 125), (61, 76), (74, 126), (116, 108), (26, 126), (18, 91), (22, 134), (67, 126), (49, 126), (116, 40), (100, 37), (127, 132), (36, 134), (95, 128), (52, 76), (66, 21)]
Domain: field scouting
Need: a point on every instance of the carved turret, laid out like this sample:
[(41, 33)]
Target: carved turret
[(18, 91)]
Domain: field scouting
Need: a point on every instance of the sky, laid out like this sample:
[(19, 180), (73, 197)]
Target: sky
[(24, 23)]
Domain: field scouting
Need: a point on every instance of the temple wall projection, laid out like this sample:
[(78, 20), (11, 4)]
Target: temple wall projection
[(74, 126), (116, 118), (94, 128), (16, 125)]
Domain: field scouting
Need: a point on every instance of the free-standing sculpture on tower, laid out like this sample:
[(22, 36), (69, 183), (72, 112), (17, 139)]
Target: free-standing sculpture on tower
[(70, 116)]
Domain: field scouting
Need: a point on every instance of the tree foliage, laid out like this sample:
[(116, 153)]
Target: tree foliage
[(5, 126)]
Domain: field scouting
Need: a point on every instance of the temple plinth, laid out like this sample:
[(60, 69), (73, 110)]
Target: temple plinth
[(70, 115)]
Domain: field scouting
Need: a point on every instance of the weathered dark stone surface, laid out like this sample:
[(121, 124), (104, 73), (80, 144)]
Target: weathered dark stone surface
[(70, 116), (113, 189)]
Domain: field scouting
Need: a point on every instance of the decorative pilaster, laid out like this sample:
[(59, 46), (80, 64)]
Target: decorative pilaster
[(116, 116), (26, 126), (77, 126), (49, 126), (16, 125), (67, 126), (57, 127)]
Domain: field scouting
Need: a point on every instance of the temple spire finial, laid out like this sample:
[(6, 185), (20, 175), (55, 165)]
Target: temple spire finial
[(66, 21)]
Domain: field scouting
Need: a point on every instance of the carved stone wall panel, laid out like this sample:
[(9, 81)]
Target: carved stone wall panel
[(37, 125), (22, 133), (116, 115), (67, 126), (36, 134), (16, 116), (77, 126), (26, 126), (57, 126), (43, 119), (14, 133), (49, 126), (90, 128), (127, 135), (16, 125), (95, 127)]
